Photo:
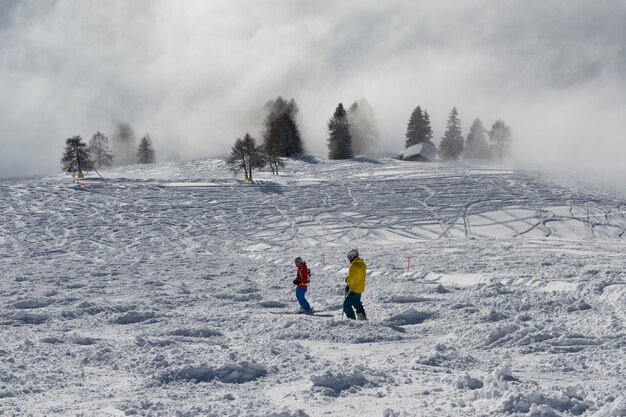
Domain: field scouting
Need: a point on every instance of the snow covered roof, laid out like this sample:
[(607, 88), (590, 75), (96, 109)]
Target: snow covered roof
[(425, 149)]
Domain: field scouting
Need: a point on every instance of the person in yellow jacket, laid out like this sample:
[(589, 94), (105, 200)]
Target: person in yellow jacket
[(355, 286)]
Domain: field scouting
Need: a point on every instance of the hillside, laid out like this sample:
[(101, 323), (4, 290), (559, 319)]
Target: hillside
[(167, 291)]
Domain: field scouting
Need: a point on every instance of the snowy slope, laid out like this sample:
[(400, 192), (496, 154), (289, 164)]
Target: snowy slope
[(166, 292)]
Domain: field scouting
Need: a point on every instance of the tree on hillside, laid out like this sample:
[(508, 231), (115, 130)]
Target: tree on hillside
[(246, 155), (500, 138), (273, 158), (418, 128), (100, 151), (363, 127), (76, 158), (451, 146), (339, 141), (284, 136), (272, 147), (476, 146), (145, 152), (280, 129), (124, 144)]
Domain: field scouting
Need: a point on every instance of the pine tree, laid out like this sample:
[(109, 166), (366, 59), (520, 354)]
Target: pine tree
[(500, 138), (246, 155), (413, 127), (281, 121), (426, 133), (76, 158), (100, 151), (340, 141), (476, 146), (124, 144), (145, 152), (451, 146), (362, 127), (418, 129), (285, 133)]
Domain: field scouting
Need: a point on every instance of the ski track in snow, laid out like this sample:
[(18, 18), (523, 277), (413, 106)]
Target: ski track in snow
[(156, 294)]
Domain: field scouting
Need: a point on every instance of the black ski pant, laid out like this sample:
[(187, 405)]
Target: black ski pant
[(353, 299)]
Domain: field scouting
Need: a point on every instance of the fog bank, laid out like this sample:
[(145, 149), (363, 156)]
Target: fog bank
[(195, 75)]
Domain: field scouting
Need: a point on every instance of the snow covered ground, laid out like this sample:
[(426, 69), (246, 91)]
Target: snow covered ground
[(167, 292)]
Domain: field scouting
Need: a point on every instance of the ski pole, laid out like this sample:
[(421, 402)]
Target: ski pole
[(100, 175)]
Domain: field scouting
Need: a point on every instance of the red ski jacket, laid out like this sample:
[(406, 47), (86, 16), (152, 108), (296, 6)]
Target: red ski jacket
[(302, 276)]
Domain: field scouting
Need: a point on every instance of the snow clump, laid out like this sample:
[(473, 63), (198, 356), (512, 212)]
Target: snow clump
[(332, 384), (409, 317), (229, 374)]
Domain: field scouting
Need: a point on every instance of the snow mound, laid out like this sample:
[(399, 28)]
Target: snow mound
[(514, 396), (409, 317), (542, 405), (616, 408), (615, 295), (229, 374), (501, 334), (332, 384), (444, 356), (467, 382)]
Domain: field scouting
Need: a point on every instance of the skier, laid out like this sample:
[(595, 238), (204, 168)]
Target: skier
[(302, 278), (355, 286)]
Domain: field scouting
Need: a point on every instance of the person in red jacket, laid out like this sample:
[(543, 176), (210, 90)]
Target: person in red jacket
[(302, 278)]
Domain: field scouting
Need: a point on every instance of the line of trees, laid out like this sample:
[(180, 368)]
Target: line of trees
[(79, 157), (352, 132), (479, 144)]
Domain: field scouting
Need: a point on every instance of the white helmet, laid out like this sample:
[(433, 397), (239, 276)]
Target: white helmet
[(353, 253)]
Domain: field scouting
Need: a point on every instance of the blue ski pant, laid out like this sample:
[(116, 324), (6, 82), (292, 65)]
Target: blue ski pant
[(353, 299), (300, 296)]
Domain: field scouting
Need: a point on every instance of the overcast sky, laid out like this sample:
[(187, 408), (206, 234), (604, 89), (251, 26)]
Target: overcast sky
[(194, 74)]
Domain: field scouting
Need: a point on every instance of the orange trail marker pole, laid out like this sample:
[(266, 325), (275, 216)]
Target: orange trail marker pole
[(408, 268)]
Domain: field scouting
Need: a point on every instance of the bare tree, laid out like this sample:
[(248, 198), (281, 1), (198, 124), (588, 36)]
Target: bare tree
[(246, 155), (272, 156)]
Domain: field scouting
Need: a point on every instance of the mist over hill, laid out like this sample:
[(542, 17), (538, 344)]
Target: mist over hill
[(197, 76)]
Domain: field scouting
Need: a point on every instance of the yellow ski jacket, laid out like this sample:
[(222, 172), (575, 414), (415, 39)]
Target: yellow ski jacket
[(356, 275)]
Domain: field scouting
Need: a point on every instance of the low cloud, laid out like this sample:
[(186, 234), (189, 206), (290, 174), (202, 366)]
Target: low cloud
[(196, 74)]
